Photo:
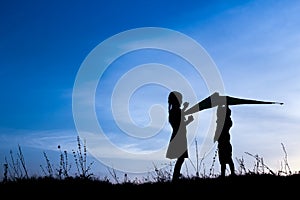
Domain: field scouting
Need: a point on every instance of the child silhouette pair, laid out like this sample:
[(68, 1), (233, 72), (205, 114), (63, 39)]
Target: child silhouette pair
[(177, 148)]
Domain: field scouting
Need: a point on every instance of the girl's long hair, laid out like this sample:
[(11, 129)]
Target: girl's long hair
[(173, 99)]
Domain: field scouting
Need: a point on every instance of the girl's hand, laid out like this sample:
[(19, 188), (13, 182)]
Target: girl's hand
[(185, 105), (190, 118)]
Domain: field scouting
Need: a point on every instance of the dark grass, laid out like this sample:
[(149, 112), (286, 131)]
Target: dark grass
[(240, 186), (57, 182)]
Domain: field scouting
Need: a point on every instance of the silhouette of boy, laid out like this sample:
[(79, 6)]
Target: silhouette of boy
[(222, 135)]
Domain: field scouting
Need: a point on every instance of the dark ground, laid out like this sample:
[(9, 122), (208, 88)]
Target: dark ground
[(239, 187)]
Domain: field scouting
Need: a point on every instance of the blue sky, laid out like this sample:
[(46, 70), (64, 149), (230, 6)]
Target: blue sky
[(253, 44)]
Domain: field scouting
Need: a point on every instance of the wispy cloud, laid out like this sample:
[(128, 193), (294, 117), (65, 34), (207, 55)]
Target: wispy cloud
[(40, 139)]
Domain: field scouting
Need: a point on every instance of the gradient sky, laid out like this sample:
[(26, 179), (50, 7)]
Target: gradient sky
[(254, 44)]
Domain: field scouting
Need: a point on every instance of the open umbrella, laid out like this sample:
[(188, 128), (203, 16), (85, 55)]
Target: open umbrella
[(236, 101), (215, 99)]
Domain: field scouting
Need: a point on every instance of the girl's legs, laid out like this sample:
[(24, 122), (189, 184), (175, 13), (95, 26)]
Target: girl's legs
[(177, 168), (231, 165), (223, 169)]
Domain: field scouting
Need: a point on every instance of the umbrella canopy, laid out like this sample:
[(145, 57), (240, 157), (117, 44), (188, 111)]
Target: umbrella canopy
[(215, 99), (238, 101)]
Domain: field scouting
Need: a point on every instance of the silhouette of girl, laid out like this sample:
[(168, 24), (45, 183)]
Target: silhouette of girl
[(177, 148), (222, 135)]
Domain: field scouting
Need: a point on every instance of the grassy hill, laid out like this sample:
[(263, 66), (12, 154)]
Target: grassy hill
[(58, 183), (240, 186)]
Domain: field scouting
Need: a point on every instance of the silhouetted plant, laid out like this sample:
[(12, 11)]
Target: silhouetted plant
[(287, 169), (106, 179), (113, 174), (126, 180), (49, 170), (197, 159), (162, 174), (203, 174), (199, 163), (197, 167), (242, 167), (5, 177), (187, 171), (211, 170), (80, 157), (138, 181), (16, 167), (144, 179), (21, 158), (259, 166), (64, 166)]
